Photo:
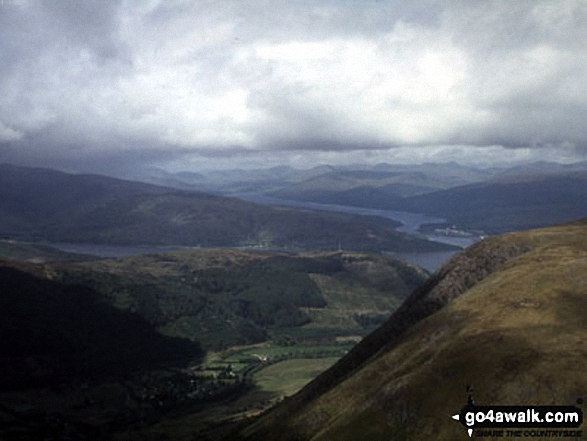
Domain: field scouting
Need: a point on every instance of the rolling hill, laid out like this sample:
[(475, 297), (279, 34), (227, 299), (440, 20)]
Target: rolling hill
[(37, 253), (408, 179), (384, 182), (93, 348), (516, 199), (46, 205), (223, 298), (227, 181), (505, 317), (510, 202), (51, 333)]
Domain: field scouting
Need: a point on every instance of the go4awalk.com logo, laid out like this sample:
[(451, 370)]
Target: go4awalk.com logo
[(521, 421)]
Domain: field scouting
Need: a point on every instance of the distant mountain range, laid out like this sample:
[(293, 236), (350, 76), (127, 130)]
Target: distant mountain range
[(228, 181), (514, 199), (424, 177), (491, 199), (47, 205), (502, 322)]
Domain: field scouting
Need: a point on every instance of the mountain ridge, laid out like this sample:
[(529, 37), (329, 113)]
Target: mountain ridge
[(47, 205), (518, 199), (460, 328)]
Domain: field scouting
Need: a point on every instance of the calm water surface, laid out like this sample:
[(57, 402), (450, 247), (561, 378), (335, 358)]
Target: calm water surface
[(410, 224)]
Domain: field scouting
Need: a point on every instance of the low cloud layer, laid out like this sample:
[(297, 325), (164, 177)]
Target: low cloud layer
[(99, 83)]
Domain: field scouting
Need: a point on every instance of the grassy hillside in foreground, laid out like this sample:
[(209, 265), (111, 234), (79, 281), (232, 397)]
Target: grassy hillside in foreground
[(47, 205), (506, 316), (223, 298)]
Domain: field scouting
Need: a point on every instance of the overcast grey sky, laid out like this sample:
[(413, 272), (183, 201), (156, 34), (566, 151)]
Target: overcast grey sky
[(93, 85)]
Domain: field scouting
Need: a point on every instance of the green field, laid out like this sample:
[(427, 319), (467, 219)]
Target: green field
[(287, 377), (281, 352), (271, 383)]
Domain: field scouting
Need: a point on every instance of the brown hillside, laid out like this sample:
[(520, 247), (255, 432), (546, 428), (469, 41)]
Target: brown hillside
[(506, 316)]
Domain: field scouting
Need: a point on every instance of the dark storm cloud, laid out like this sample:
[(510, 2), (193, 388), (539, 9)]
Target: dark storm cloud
[(99, 83)]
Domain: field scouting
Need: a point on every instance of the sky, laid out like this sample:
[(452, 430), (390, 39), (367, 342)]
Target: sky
[(108, 85)]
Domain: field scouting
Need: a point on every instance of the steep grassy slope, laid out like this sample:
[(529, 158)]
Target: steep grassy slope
[(41, 204), (227, 297), (506, 316)]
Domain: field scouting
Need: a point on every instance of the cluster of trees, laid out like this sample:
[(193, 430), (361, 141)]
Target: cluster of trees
[(217, 306), (51, 332)]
